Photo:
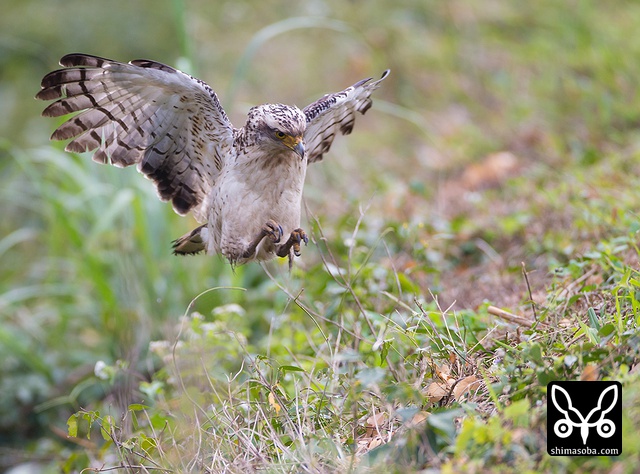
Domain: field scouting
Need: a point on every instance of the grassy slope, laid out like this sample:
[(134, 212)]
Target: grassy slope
[(506, 135)]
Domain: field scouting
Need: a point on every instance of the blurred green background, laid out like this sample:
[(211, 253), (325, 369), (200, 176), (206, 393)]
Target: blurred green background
[(481, 93)]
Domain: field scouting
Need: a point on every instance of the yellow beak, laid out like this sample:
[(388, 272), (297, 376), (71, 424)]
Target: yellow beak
[(296, 144)]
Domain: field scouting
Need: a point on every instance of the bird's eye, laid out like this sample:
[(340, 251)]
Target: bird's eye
[(280, 134)]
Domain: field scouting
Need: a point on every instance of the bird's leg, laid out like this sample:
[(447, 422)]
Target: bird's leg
[(295, 239), (192, 242), (270, 229)]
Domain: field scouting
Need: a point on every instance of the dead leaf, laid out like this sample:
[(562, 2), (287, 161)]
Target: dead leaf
[(374, 443), (465, 385), (436, 391), (377, 419), (364, 445), (590, 373), (565, 323), (443, 372), (275, 405), (375, 424), (418, 418), (594, 280), (491, 171), (376, 433)]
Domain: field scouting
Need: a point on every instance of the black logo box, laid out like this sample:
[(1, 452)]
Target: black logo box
[(584, 418)]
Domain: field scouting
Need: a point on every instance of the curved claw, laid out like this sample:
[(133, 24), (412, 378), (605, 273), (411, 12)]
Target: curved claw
[(273, 230), (298, 236), (293, 243), (270, 229)]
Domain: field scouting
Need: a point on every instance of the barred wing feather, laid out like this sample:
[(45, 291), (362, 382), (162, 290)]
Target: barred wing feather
[(335, 113), (168, 123)]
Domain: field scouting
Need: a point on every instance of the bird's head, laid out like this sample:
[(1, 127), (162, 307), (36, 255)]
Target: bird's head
[(280, 126)]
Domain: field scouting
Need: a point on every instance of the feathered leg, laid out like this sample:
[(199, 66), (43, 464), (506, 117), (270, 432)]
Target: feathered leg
[(271, 229), (191, 243)]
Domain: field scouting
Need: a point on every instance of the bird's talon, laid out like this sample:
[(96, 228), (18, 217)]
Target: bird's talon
[(274, 231), (292, 246), (298, 236)]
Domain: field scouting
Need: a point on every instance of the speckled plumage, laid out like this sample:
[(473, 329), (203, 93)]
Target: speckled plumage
[(245, 184)]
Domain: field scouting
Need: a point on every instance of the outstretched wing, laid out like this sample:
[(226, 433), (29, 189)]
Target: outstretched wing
[(168, 123), (336, 112)]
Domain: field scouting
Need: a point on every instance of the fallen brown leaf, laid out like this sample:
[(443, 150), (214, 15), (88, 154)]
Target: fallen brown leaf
[(418, 418), (491, 171), (436, 391), (465, 385), (590, 373)]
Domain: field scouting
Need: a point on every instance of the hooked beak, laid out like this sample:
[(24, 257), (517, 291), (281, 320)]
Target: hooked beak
[(299, 148), (295, 143)]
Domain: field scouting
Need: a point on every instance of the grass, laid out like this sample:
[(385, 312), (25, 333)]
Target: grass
[(472, 240)]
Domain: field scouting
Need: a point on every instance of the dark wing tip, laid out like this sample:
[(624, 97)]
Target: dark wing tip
[(183, 202), (48, 93), (364, 81), (51, 84), (81, 59), (149, 64)]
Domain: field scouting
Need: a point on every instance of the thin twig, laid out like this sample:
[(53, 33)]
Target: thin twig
[(526, 279), (512, 318)]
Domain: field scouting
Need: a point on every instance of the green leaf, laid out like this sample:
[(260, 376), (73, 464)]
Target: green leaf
[(589, 332), (544, 377), (137, 407), (384, 351), (407, 285), (535, 354), (593, 319), (90, 418), (369, 377), (291, 368), (518, 412), (147, 444), (107, 426), (444, 424), (606, 330), (72, 425)]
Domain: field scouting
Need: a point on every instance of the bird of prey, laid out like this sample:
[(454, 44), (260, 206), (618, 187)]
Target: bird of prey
[(243, 184)]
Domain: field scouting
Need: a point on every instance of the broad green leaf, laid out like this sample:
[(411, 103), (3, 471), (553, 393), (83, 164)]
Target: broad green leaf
[(107, 426), (72, 425)]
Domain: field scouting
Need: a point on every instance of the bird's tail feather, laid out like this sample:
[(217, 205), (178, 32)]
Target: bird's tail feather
[(191, 243)]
